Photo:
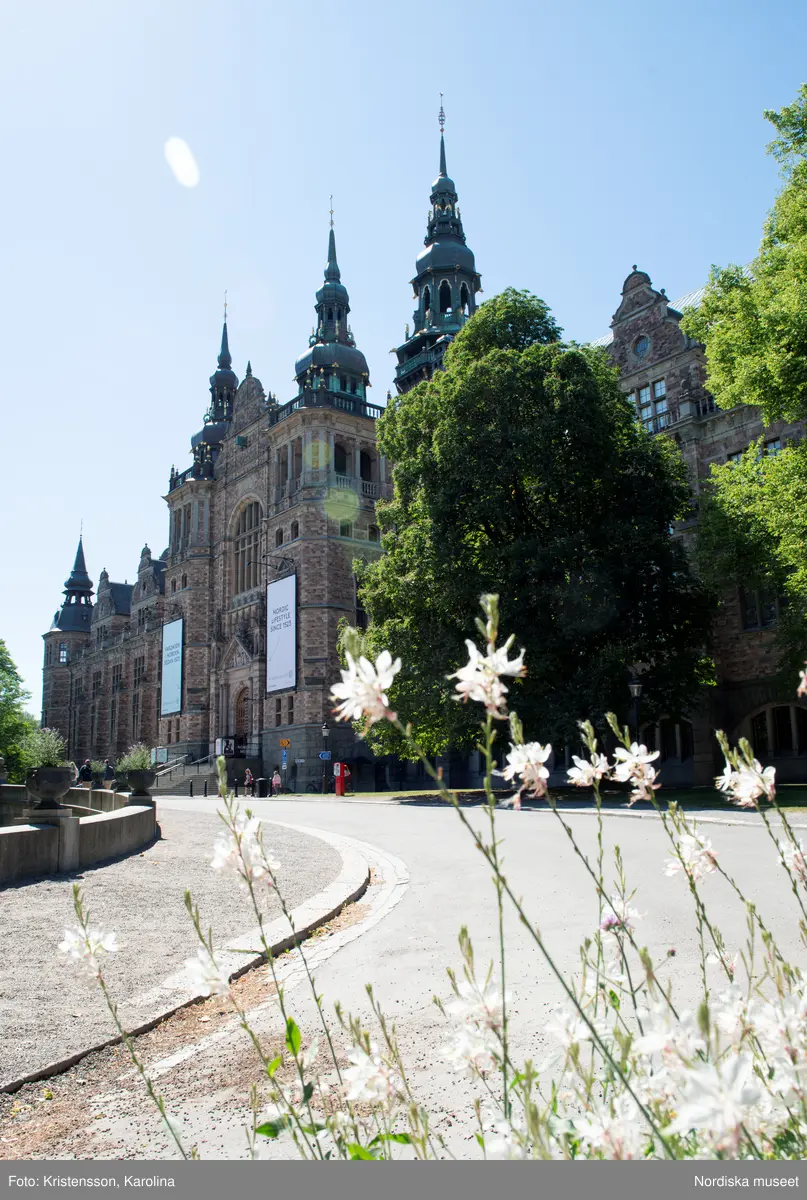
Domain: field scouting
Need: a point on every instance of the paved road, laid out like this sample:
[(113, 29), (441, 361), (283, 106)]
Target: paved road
[(405, 953)]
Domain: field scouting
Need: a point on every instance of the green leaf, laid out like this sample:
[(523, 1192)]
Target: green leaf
[(402, 1138), (356, 1151), (272, 1129), (273, 1066), (615, 1002), (293, 1038), (308, 1092)]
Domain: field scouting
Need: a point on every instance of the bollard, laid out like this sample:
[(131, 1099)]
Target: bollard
[(190, 788), (205, 787), (236, 787)]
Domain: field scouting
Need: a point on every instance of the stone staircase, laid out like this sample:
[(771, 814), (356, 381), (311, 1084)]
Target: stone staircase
[(204, 783)]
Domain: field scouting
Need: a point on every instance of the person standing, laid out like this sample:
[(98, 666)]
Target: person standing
[(249, 782), (85, 775), (277, 782), (109, 774)]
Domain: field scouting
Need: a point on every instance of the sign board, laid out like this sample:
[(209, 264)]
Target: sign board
[(325, 755), (159, 754), (284, 759), (225, 746), (285, 743), (171, 690), (300, 762), (281, 634)]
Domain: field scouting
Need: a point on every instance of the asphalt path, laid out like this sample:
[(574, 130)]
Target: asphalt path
[(441, 883)]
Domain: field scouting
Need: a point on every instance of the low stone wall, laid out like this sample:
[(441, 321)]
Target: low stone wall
[(110, 835), (69, 843), (27, 850)]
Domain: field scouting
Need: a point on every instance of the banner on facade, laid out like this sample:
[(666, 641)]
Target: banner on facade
[(171, 693), (281, 634)]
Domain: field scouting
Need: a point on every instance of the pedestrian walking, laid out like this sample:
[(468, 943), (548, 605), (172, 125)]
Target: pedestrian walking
[(109, 774), (277, 782), (85, 774), (249, 782)]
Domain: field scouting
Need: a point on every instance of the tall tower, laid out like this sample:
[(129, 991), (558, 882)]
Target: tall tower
[(67, 636), (445, 283)]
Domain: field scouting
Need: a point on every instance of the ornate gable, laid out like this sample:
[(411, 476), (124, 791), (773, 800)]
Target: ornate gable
[(236, 654)]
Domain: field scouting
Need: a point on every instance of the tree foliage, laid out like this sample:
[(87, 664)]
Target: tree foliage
[(15, 723), (522, 470), (752, 532), (754, 326)]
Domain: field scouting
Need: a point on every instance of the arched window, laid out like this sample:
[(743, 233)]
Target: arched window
[(464, 296), (340, 459), (173, 586), (339, 314), (184, 581), (279, 537), (62, 652), (247, 548), (295, 530), (366, 466), (427, 299), (330, 314), (374, 534), (242, 714), (445, 296)]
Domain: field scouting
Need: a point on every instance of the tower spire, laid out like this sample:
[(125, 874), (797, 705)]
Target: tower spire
[(441, 118), (332, 272)]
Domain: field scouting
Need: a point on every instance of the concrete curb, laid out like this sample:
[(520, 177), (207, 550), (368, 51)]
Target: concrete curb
[(654, 816), (240, 956)]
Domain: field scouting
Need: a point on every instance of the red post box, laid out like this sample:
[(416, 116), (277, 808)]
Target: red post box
[(339, 778)]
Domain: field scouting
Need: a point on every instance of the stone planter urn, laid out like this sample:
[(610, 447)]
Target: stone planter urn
[(140, 782), (48, 785)]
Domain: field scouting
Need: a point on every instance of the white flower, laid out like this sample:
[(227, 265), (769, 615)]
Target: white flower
[(88, 948), (717, 1099), (480, 678), (205, 975), (527, 762), (369, 1078), (568, 1028), (634, 766), (697, 860), (508, 1139), (363, 690), (792, 857), (802, 688), (730, 1012), (477, 1004), (615, 1131), (587, 771), (473, 1048), (748, 783), (621, 917), (309, 1056), (675, 1038), (239, 849)]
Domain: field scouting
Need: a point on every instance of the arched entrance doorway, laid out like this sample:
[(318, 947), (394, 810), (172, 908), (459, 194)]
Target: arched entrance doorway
[(242, 721)]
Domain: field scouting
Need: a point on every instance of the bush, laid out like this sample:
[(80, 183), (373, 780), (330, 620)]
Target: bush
[(44, 748), (136, 758)]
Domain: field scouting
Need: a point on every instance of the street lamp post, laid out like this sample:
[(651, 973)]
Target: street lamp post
[(635, 691), (325, 732)]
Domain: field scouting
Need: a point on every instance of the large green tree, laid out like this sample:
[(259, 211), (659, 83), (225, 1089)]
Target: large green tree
[(754, 324), (15, 723), (521, 469)]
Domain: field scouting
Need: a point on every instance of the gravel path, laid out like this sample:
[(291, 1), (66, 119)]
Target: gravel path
[(47, 1010)]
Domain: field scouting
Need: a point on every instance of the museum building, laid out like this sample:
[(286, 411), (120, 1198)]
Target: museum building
[(228, 637)]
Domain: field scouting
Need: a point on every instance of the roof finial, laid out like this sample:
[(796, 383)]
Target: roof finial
[(225, 306), (331, 210), (441, 116), (442, 119)]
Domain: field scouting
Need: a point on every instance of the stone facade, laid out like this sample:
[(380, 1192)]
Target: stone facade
[(664, 372)]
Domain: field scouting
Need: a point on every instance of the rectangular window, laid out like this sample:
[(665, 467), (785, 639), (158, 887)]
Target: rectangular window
[(659, 389), (278, 711), (136, 716), (346, 529), (644, 396), (759, 608), (117, 677), (290, 711), (62, 652), (139, 670), (774, 446), (96, 684), (113, 720), (735, 456)]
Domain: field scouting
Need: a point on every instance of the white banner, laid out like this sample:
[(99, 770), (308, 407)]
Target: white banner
[(281, 634), (171, 695)]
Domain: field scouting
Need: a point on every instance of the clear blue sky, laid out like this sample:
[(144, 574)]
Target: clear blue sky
[(583, 137)]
